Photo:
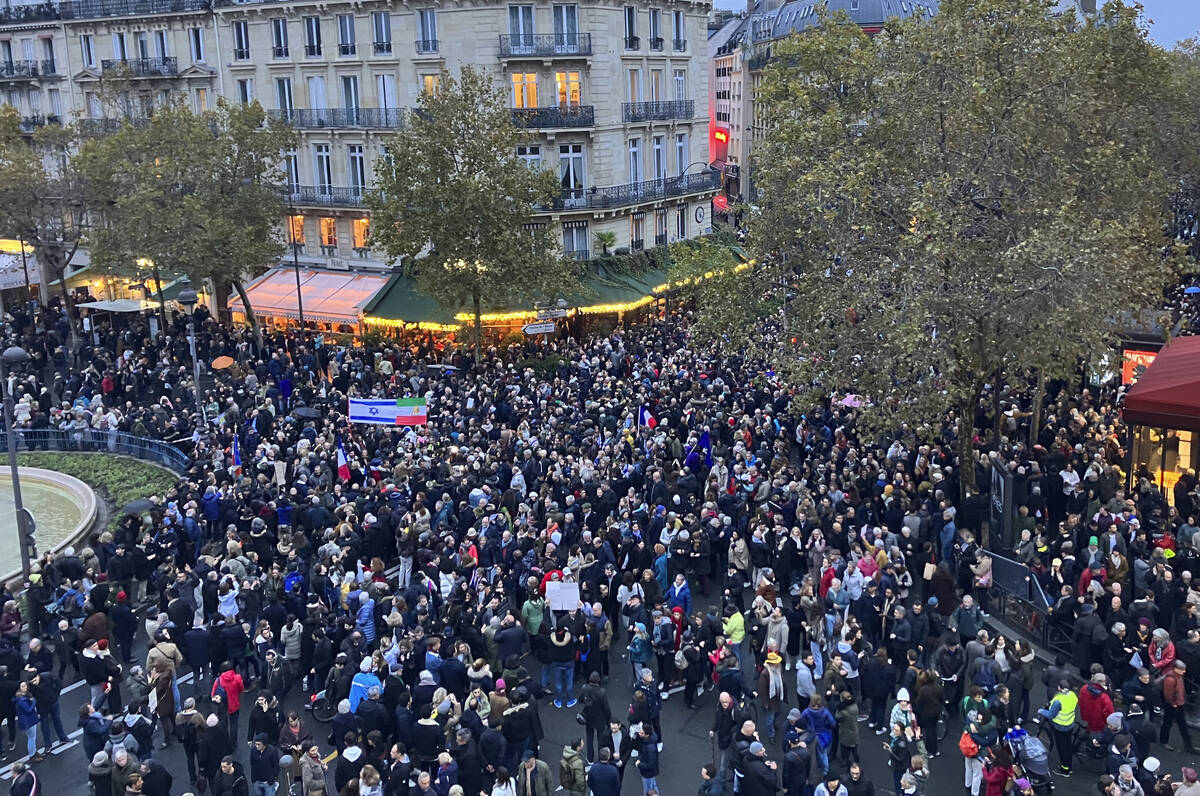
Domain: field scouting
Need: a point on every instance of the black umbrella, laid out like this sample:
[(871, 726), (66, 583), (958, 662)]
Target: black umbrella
[(137, 507), (306, 413)]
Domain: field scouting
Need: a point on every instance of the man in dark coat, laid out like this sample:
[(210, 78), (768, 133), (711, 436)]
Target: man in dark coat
[(603, 778)]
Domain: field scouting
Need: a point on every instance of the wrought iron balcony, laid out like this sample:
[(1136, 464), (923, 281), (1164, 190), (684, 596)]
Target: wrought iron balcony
[(637, 245), (555, 116), (577, 254), (324, 196), (348, 48), (43, 12), (19, 70), (427, 46), (312, 50), (679, 45), (143, 67), (637, 192), (95, 9), (241, 53), (108, 126), (545, 45), (279, 51), (657, 44), (633, 43), (31, 123), (383, 48), (318, 118), (657, 111)]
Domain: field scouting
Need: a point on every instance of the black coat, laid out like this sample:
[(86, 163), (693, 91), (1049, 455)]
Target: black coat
[(604, 779)]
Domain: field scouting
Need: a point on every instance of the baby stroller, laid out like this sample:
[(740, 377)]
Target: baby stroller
[(1032, 758)]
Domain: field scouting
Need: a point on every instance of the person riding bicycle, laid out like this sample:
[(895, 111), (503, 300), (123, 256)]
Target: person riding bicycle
[(949, 662), (1062, 712)]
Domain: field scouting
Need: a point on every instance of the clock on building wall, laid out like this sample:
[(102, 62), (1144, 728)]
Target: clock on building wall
[(700, 214)]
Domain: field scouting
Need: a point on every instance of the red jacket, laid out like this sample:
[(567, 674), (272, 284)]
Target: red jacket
[(231, 681), (1173, 693), (1095, 706)]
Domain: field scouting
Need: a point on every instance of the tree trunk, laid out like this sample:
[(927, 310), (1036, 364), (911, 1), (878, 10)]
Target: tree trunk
[(476, 301), (162, 303), (251, 318), (997, 417), (966, 429), (1035, 420)]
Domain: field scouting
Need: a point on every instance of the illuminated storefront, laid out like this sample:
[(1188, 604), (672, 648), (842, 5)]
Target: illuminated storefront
[(1163, 411)]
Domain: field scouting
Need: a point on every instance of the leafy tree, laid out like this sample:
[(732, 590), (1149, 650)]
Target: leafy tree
[(452, 186), (606, 239), (961, 197), (195, 193), (40, 199)]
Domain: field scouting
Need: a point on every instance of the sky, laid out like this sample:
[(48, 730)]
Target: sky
[(1172, 20)]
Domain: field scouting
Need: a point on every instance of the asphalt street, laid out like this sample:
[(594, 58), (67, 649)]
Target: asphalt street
[(687, 746)]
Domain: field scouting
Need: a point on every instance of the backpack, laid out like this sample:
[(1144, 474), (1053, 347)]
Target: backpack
[(291, 580), (967, 745), (985, 676), (219, 691), (681, 661)]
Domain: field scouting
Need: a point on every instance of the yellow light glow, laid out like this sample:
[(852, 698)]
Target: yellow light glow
[(145, 262), (11, 246)]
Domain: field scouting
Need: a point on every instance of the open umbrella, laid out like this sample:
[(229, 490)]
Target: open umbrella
[(306, 413), (137, 507), (1191, 290), (220, 363)]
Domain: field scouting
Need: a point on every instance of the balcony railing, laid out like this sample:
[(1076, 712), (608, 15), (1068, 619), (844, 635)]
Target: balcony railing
[(241, 53), (109, 126), (43, 12), (633, 43), (637, 192), (427, 46), (660, 239), (657, 44), (341, 117), (324, 196), (577, 254), (347, 49), (657, 111), (312, 50), (555, 116), (637, 245), (679, 45), (547, 45), (143, 67), (31, 123), (19, 70), (95, 9), (279, 51), (383, 48)]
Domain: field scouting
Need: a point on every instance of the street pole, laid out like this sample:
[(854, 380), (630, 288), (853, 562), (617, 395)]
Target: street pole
[(28, 287), (12, 356), (191, 327), (296, 268), (188, 300)]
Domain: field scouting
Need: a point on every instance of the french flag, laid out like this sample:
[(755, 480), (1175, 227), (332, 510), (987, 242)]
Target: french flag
[(645, 418), (343, 462), (237, 456)]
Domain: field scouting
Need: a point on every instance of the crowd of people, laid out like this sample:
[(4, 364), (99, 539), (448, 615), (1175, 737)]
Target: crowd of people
[(809, 586)]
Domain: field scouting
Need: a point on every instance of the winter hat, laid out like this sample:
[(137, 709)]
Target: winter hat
[(757, 748), (100, 758), (902, 695)]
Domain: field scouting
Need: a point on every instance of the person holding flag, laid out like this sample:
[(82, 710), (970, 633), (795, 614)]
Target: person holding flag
[(343, 462)]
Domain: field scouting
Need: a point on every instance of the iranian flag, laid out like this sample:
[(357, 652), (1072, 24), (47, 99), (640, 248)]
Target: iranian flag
[(411, 412)]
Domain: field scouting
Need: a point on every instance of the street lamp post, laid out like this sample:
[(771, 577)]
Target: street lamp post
[(187, 300), (13, 356), (296, 267)]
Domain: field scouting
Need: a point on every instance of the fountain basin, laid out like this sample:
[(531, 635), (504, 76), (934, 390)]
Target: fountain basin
[(63, 507)]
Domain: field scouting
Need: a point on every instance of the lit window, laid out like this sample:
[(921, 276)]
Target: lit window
[(524, 90), (362, 231), (429, 83), (328, 231), (297, 229)]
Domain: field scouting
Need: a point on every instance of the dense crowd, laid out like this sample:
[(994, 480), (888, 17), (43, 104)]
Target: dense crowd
[(807, 585)]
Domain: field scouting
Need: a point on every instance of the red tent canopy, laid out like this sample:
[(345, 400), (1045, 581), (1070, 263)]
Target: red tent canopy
[(1168, 393)]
